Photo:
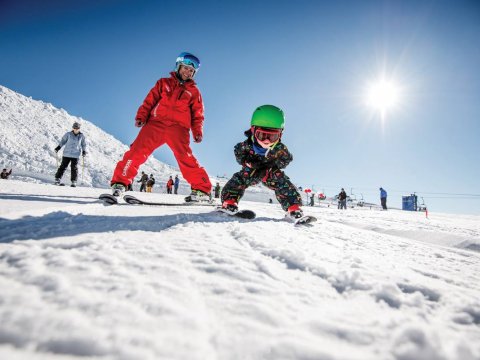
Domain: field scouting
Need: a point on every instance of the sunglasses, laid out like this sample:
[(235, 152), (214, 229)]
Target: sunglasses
[(264, 134)]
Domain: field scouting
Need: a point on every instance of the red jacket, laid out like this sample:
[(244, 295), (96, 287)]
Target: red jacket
[(173, 102)]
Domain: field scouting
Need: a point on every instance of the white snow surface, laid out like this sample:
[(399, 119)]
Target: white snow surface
[(80, 280)]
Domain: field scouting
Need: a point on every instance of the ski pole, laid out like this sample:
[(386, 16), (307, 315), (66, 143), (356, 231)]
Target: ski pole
[(83, 166)]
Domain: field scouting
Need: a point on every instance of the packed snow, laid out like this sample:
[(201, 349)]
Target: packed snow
[(83, 280)]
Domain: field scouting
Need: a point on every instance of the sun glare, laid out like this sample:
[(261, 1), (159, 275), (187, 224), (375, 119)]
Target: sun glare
[(382, 96)]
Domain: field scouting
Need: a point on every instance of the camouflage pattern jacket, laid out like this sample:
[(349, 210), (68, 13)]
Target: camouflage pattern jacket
[(277, 158)]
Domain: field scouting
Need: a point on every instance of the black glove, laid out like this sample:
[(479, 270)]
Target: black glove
[(57, 148), (84, 153)]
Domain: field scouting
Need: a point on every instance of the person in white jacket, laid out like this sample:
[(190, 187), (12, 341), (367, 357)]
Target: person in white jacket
[(75, 145)]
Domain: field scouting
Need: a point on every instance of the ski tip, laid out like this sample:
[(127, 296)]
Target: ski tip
[(132, 200), (242, 214), (305, 220), (108, 199)]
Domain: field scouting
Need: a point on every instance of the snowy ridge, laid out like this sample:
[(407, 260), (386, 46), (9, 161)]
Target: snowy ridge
[(31, 129), (84, 281)]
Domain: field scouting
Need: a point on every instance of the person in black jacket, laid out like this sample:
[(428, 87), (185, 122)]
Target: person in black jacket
[(150, 183), (143, 180), (342, 200), (5, 174), (262, 157), (217, 190)]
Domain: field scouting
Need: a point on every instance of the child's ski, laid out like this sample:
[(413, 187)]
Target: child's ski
[(108, 199), (136, 201), (305, 220), (243, 214)]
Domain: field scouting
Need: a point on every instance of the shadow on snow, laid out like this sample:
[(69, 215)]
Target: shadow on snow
[(62, 224)]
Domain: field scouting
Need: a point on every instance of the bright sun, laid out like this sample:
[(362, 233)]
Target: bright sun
[(383, 95)]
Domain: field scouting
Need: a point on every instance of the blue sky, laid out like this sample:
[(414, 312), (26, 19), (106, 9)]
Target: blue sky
[(314, 59)]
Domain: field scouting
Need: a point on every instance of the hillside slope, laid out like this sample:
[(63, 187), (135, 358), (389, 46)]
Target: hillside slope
[(31, 129)]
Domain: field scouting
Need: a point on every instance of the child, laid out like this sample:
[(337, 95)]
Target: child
[(171, 109), (262, 157)]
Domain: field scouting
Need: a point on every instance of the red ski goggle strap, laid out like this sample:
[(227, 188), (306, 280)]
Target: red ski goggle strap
[(263, 134)]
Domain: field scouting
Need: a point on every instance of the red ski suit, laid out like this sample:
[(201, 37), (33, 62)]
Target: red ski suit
[(169, 111)]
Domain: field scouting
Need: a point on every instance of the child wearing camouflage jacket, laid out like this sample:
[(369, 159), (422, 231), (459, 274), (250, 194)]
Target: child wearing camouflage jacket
[(263, 156)]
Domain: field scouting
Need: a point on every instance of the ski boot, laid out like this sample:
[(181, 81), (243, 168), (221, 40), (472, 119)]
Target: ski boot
[(198, 196), (57, 182), (118, 189), (294, 212), (230, 207), (74, 184)]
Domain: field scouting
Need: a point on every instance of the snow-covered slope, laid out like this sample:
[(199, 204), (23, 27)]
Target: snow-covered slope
[(80, 280), (31, 129)]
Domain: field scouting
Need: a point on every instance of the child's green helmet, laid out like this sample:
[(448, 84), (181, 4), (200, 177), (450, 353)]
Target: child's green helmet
[(268, 116)]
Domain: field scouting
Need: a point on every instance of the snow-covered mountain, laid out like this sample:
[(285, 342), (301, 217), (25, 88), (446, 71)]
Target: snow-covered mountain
[(80, 280), (31, 129)]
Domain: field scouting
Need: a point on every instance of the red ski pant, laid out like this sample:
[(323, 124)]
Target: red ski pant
[(152, 136)]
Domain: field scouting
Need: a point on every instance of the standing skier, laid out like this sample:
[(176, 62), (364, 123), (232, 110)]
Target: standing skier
[(150, 183), (172, 108), (383, 198), (217, 190), (5, 173), (169, 185), (342, 200), (262, 157), (75, 145), (175, 184), (143, 182)]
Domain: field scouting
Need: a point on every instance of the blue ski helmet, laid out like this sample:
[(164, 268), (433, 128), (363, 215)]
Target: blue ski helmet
[(188, 59)]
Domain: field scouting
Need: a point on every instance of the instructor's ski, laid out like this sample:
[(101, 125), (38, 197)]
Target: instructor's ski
[(108, 199), (136, 201)]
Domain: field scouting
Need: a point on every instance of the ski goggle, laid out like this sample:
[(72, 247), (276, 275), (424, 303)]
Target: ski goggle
[(189, 60), (265, 134)]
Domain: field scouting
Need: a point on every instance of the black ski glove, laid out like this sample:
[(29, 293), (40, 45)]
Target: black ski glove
[(84, 153), (57, 148)]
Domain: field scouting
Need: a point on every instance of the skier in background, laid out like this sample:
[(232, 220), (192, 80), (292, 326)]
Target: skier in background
[(143, 180), (5, 174), (342, 200), (217, 190), (75, 145), (169, 185), (383, 198), (172, 108), (150, 183), (176, 182), (262, 156)]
